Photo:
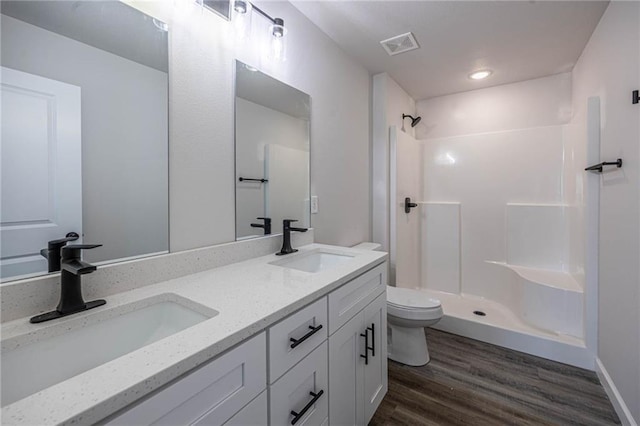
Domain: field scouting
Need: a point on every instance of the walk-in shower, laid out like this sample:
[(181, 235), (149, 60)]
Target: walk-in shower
[(482, 223)]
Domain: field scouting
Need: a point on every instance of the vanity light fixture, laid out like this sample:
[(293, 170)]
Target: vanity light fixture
[(243, 9), (240, 6), (480, 75)]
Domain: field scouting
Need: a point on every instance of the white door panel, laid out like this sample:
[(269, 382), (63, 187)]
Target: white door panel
[(41, 168)]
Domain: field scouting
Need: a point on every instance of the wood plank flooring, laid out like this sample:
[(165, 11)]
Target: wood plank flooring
[(469, 382)]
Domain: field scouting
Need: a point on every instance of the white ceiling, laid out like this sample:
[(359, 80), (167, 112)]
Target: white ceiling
[(518, 40)]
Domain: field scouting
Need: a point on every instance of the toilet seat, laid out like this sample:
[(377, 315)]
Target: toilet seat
[(412, 304)]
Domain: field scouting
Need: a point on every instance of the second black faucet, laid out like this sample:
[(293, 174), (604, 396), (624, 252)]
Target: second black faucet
[(71, 301), (286, 237)]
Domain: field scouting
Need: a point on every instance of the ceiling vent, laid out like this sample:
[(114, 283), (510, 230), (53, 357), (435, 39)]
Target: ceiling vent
[(400, 44)]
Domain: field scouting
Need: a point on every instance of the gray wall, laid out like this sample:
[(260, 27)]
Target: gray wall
[(124, 137), (609, 68), (201, 68)]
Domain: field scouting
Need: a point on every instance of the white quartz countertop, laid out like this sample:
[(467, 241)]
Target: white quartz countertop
[(249, 296)]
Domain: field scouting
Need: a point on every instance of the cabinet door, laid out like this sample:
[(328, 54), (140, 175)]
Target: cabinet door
[(346, 368), (302, 390), (375, 372), (212, 393), (254, 414)]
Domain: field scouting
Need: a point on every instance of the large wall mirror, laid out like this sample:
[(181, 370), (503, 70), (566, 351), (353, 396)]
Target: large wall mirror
[(272, 125), (84, 131)]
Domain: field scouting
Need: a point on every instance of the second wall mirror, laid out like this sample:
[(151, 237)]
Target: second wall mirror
[(272, 128)]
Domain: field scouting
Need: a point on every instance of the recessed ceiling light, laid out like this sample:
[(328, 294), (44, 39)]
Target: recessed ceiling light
[(480, 75)]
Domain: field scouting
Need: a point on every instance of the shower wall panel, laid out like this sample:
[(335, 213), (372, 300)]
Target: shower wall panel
[(441, 246), (537, 236), (484, 172)]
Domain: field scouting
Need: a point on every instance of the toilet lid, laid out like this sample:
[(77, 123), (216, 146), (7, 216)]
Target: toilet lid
[(407, 298)]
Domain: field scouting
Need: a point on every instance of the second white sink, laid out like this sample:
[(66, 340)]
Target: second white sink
[(313, 261), (66, 349)]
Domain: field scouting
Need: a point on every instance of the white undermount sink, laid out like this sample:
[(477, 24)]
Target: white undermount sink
[(69, 348), (313, 261)]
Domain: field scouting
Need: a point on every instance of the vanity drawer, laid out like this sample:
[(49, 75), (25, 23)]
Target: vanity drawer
[(210, 395), (297, 390), (352, 297), (304, 330)]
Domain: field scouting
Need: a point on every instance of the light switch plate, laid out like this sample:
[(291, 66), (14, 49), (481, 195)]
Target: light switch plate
[(314, 204)]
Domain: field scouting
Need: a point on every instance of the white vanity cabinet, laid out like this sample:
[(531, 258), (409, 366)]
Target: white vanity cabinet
[(325, 364), (358, 349), (344, 379)]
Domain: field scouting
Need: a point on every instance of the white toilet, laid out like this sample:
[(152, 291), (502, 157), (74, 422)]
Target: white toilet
[(408, 313)]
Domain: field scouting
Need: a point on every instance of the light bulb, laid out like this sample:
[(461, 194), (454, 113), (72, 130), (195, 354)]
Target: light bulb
[(277, 29), (277, 48), (480, 75), (241, 19), (278, 33)]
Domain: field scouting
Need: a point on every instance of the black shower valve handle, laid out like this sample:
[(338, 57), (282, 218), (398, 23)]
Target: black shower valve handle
[(408, 205)]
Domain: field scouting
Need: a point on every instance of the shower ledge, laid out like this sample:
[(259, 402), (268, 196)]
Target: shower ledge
[(556, 279), (547, 299)]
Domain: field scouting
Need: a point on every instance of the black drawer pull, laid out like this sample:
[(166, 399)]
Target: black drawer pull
[(366, 347), (373, 339), (298, 416), (313, 331)]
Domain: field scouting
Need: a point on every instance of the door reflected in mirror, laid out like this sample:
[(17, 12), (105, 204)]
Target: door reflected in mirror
[(272, 128), (84, 126)]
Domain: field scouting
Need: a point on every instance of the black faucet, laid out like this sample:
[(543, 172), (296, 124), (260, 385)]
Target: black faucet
[(266, 225), (52, 252), (71, 300), (286, 237)]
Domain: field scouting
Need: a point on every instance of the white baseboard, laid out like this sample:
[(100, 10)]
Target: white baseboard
[(614, 396)]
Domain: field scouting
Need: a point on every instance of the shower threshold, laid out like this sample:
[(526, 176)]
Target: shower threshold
[(500, 326)]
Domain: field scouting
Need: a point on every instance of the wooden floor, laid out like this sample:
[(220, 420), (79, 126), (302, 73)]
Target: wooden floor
[(469, 382)]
